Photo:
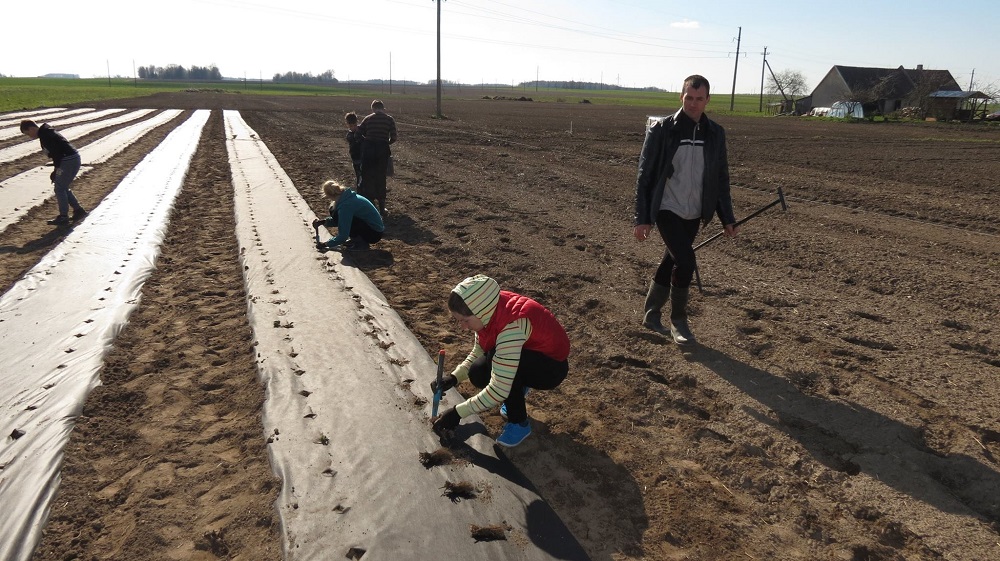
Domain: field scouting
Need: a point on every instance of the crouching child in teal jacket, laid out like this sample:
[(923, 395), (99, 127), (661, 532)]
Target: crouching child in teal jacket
[(358, 222)]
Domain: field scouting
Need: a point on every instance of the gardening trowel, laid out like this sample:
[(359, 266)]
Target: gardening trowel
[(437, 392)]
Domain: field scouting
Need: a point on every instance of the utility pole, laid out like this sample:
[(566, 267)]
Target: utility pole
[(732, 98), (762, 66), (439, 58), (972, 78)]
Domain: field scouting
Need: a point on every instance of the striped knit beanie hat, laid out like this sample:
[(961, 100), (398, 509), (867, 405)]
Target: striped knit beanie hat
[(481, 294)]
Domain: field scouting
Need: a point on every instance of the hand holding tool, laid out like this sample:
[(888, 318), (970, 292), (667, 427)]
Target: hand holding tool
[(438, 391), (447, 423)]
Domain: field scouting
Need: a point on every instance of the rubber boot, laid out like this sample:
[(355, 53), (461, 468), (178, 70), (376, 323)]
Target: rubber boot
[(678, 316), (655, 299)]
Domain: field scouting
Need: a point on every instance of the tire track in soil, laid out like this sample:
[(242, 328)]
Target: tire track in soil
[(168, 459)]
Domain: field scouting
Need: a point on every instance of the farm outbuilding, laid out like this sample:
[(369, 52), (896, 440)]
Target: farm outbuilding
[(881, 90), (947, 105)]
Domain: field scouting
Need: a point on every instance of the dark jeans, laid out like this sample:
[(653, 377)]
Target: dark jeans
[(535, 370), (677, 266), (374, 160), (65, 174), (361, 229), (357, 174)]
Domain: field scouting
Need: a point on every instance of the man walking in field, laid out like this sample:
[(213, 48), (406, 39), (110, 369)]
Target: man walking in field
[(683, 179)]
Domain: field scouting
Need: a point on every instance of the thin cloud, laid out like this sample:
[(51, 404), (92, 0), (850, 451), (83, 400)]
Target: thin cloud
[(685, 24)]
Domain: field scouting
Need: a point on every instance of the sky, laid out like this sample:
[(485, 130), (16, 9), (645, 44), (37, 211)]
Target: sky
[(632, 43)]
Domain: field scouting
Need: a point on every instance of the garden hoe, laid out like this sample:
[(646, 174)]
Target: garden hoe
[(437, 392), (780, 200)]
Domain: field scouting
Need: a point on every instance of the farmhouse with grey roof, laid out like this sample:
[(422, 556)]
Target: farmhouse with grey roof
[(881, 90)]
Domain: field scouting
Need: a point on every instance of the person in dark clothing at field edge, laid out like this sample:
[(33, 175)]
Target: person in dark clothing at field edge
[(354, 141), (379, 131), (683, 178), (66, 161)]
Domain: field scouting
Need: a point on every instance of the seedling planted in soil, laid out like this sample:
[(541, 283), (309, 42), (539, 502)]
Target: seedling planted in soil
[(439, 457), (458, 491)]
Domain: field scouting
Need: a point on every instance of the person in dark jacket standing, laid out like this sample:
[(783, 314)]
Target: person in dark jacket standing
[(683, 180), (66, 161), (379, 131)]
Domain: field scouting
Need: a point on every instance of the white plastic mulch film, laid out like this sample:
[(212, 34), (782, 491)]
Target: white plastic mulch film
[(61, 120), (21, 193), (15, 117), (59, 321), (30, 147), (344, 427), (13, 120)]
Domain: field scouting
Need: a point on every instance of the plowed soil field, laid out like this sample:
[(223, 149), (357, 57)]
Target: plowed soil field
[(843, 402)]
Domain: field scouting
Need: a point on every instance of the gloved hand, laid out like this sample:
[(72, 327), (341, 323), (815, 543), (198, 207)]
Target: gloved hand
[(322, 246), (447, 422), (317, 222), (52, 176), (448, 381)]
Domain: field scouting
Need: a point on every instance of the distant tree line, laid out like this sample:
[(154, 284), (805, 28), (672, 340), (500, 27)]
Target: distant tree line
[(307, 78), (574, 85), (176, 72)]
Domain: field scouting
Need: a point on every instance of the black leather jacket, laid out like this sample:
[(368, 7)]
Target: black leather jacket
[(54, 144), (655, 167)]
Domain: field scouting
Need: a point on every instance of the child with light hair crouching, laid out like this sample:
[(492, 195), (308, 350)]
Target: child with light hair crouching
[(358, 222)]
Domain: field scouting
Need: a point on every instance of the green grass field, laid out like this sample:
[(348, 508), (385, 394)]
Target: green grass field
[(33, 93)]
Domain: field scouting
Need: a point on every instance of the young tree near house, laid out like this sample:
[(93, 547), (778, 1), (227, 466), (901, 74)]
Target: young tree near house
[(920, 96), (791, 84), (993, 91)]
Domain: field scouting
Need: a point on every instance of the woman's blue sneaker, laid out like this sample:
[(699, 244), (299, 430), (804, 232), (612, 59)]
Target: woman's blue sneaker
[(514, 433), (503, 407)]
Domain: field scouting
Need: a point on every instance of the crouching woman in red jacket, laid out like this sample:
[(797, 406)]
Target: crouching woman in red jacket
[(519, 345)]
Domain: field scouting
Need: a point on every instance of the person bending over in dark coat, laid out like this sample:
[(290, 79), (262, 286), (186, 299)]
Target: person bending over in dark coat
[(66, 161)]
